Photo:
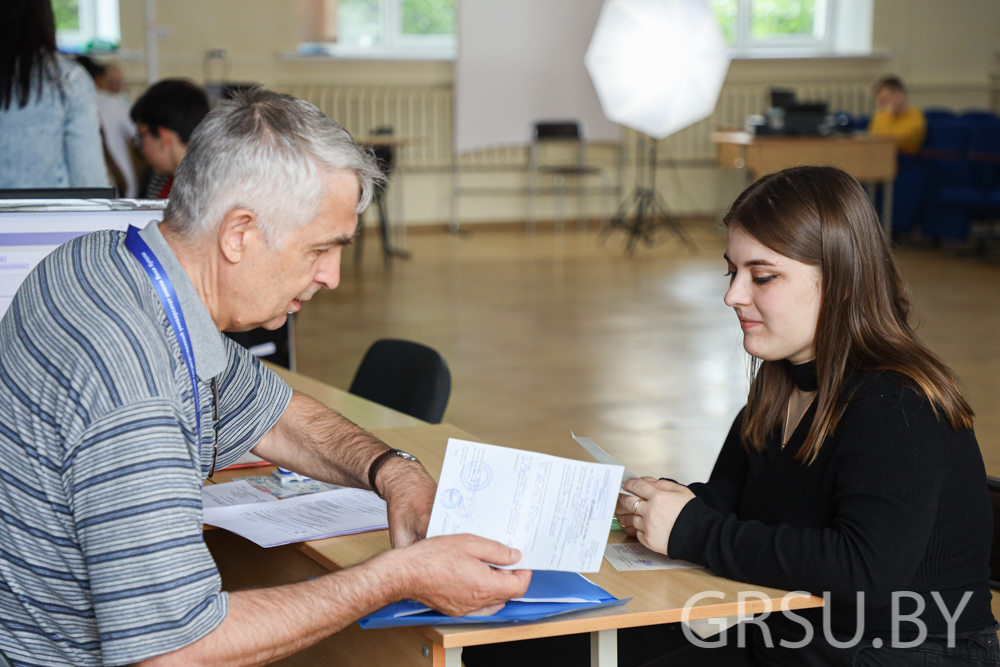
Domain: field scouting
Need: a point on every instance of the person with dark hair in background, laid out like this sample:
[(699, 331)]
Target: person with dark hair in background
[(49, 131), (165, 117), (895, 118)]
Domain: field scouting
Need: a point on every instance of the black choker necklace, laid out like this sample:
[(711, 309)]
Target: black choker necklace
[(804, 375)]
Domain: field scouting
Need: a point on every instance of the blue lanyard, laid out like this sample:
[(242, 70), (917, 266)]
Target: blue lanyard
[(168, 297)]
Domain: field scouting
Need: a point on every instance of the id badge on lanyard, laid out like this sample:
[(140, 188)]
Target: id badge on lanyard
[(168, 297)]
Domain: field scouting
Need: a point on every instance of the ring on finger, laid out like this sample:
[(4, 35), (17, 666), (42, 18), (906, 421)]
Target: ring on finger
[(635, 505)]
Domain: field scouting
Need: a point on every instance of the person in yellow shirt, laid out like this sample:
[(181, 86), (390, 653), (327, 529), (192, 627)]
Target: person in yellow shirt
[(894, 118)]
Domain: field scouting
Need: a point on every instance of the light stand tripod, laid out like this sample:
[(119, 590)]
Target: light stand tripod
[(650, 209)]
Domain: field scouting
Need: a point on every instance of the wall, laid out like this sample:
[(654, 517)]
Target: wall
[(946, 51), (260, 37)]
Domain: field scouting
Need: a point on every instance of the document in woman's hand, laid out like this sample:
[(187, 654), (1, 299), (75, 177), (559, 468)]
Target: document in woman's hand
[(556, 511)]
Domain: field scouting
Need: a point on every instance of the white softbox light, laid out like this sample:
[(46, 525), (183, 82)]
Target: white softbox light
[(657, 65)]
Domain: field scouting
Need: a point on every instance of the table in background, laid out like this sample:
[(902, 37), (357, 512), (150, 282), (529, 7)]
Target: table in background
[(658, 596), (868, 159)]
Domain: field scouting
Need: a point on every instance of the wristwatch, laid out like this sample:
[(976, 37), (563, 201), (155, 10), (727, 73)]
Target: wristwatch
[(380, 461)]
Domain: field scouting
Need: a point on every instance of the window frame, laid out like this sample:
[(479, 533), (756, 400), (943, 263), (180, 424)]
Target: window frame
[(744, 45), (99, 19), (394, 45)]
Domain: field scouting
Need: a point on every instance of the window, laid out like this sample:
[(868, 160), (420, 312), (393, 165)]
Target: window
[(391, 29), (83, 25), (795, 27)]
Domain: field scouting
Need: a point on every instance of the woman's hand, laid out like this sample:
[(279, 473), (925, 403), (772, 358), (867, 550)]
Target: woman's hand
[(651, 518)]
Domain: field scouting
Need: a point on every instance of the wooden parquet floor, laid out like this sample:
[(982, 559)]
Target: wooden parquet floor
[(546, 333)]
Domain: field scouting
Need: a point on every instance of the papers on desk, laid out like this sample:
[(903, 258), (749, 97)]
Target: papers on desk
[(556, 511), (240, 492), (260, 489), (549, 594), (260, 517), (634, 556)]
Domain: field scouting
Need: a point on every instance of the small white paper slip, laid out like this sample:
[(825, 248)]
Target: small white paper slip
[(555, 511), (311, 517), (603, 457), (634, 556), (239, 492)]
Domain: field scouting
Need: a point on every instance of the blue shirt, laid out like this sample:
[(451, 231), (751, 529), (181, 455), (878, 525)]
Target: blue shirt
[(102, 560), (54, 141)]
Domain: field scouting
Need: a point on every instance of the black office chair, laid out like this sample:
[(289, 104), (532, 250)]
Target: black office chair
[(993, 484), (276, 346), (564, 132), (405, 376)]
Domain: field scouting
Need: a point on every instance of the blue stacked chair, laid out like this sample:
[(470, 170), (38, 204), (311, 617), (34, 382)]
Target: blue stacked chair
[(908, 192), (963, 184), (979, 118), (986, 153), (948, 166), (935, 115), (954, 180), (971, 200)]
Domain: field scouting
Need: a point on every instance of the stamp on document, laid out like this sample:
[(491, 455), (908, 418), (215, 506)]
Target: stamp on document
[(451, 499), (476, 475)]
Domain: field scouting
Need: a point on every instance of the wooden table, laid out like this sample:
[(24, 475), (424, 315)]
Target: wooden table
[(868, 159), (658, 596)]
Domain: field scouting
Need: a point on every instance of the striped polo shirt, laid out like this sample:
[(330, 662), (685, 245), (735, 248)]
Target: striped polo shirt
[(102, 560)]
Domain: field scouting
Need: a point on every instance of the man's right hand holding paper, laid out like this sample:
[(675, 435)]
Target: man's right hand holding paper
[(453, 574)]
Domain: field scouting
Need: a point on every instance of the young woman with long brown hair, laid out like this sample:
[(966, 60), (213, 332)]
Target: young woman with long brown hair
[(853, 469)]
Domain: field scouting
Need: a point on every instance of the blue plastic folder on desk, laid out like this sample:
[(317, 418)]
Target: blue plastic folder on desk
[(549, 594)]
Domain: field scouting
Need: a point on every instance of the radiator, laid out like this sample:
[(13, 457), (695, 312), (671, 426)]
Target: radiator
[(425, 113)]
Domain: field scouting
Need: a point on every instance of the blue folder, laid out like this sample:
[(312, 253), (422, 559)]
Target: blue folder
[(549, 594)]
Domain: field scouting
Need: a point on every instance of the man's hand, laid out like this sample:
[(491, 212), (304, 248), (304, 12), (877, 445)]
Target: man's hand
[(312, 439), (452, 573), (409, 492), (660, 503)]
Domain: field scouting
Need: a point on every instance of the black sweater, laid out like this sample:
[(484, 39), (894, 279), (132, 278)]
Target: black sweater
[(895, 501)]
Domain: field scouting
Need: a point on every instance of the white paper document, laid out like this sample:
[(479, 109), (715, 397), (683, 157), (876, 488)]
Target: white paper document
[(240, 492), (634, 556), (310, 517), (555, 511), (602, 456)]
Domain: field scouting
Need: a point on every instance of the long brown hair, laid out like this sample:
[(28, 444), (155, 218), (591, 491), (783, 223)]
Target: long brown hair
[(821, 216)]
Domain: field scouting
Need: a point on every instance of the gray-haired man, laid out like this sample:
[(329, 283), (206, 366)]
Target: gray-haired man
[(111, 370)]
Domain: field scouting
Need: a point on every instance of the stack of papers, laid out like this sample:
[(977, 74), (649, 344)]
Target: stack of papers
[(549, 594), (251, 511), (556, 511)]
